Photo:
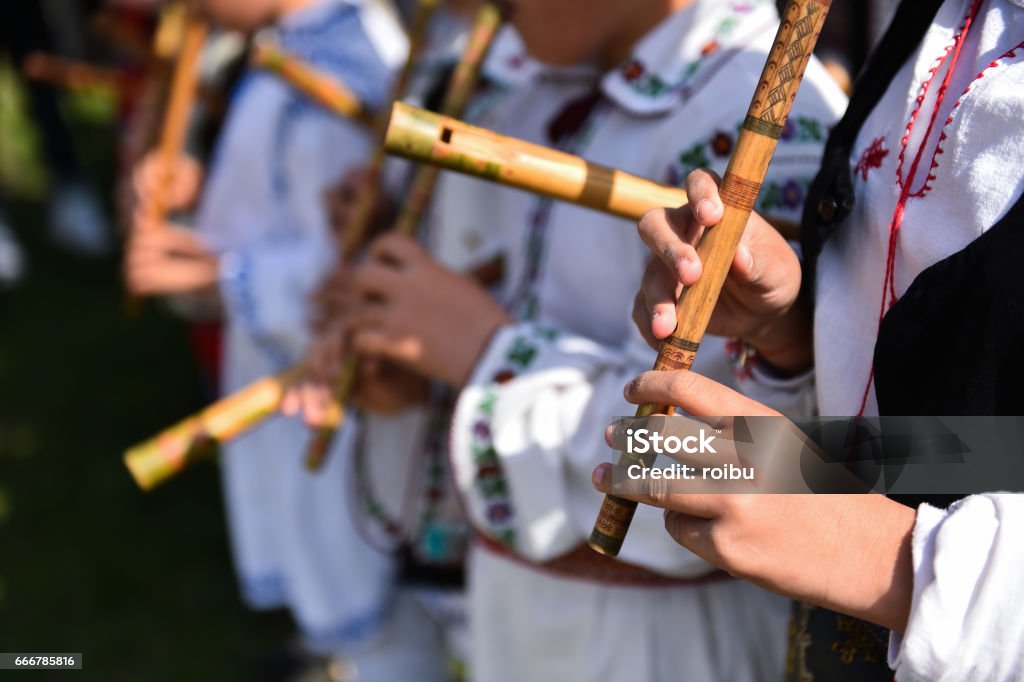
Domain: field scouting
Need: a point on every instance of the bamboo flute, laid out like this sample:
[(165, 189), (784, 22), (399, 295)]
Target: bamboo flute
[(460, 88), (430, 138), (320, 87), (798, 33), (174, 449), (179, 106), (443, 141)]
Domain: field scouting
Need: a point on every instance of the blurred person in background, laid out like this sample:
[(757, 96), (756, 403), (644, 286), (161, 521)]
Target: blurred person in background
[(260, 246)]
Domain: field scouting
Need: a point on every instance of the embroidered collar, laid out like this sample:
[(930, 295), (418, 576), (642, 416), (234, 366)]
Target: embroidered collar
[(670, 62), (509, 63)]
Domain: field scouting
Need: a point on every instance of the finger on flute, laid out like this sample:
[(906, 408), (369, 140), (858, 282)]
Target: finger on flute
[(802, 21)]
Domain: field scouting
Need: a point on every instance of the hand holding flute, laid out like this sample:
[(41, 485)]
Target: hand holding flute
[(801, 23)]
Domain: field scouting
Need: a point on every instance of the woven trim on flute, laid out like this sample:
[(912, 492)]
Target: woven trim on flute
[(763, 127), (682, 344), (739, 192)]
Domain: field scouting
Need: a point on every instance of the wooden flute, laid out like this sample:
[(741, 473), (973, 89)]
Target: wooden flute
[(443, 141), (326, 91), (460, 88), (802, 21)]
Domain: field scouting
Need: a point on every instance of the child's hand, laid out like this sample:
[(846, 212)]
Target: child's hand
[(167, 260), (759, 300), (183, 182), (418, 314)]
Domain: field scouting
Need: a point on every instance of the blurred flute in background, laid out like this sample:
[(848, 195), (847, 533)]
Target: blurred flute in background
[(326, 91)]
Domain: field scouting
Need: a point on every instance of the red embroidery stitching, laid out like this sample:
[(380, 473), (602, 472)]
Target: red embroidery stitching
[(940, 149), (871, 158)]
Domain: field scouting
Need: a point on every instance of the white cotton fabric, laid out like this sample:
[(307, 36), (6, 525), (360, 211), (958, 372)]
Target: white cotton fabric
[(548, 420), (546, 628), (293, 541), (979, 176), (965, 621)]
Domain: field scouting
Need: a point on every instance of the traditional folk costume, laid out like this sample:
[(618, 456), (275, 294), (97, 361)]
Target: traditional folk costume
[(525, 434), (911, 242), (262, 211)]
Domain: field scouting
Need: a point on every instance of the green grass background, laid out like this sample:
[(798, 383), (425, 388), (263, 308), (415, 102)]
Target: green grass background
[(141, 584)]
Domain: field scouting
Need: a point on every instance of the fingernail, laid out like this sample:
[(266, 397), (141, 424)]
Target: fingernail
[(609, 433), (598, 476)]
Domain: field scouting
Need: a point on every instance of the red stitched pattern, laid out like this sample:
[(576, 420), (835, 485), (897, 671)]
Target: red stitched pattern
[(939, 149), (871, 158), (952, 53)]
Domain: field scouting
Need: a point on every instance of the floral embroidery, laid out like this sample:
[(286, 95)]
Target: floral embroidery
[(803, 129), (633, 71), (798, 129), (653, 85), (490, 482), (721, 144), (871, 158), (788, 195)]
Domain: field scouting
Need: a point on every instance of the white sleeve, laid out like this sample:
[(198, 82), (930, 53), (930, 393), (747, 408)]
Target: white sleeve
[(965, 621), (266, 284), (526, 434)]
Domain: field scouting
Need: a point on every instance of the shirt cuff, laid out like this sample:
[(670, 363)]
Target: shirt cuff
[(926, 527)]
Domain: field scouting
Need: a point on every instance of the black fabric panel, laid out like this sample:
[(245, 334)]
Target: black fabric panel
[(954, 343), (831, 197)]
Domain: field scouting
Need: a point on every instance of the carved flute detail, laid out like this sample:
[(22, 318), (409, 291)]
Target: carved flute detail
[(798, 33)]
